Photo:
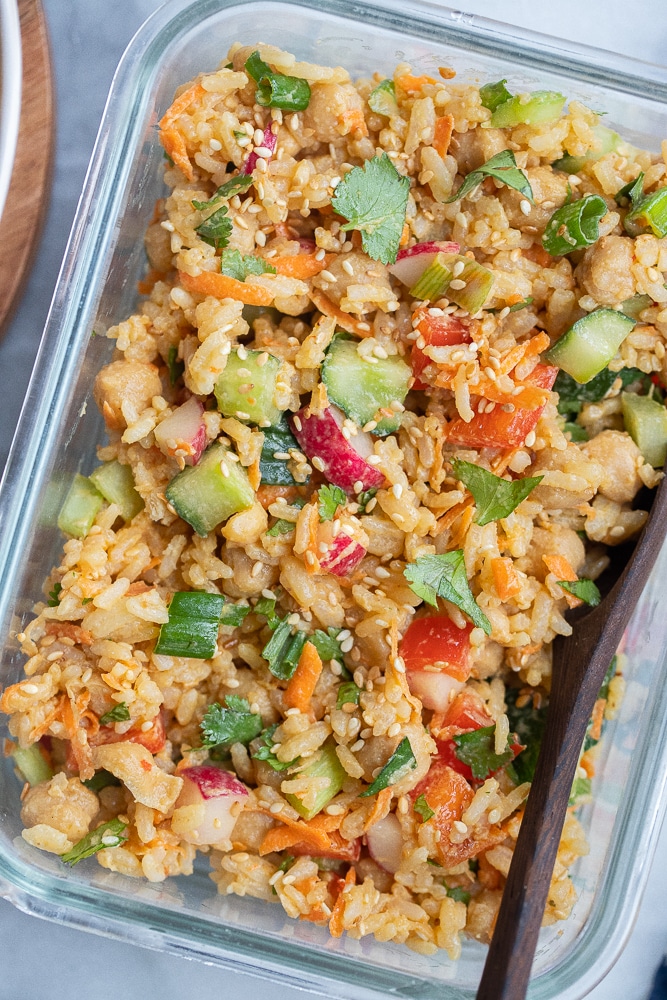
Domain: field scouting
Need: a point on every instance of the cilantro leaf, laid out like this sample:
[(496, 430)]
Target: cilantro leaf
[(265, 753), (401, 762), (281, 527), (217, 229), (237, 265), (528, 723), (423, 809), (572, 395), (237, 185), (445, 576), (329, 499), (327, 644), (584, 589), (101, 779), (365, 498), (278, 440), (233, 615), (54, 595), (373, 199), (120, 713), (458, 894), (476, 749), (235, 723), (267, 606), (492, 95), (348, 694), (275, 90), (503, 168), (494, 497), (107, 835)]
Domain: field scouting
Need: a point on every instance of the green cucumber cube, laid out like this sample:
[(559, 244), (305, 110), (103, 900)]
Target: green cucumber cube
[(588, 346), (247, 387), (324, 765), (646, 423), (80, 508), (208, 493), (362, 388), (116, 484), (32, 764), (607, 141)]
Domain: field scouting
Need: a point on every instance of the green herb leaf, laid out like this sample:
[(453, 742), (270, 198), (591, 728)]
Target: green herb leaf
[(54, 595), (236, 185), (382, 100), (572, 395), (584, 589), (234, 615), (174, 366), (574, 226), (234, 723), (107, 835), (283, 650), (327, 644), (348, 694), (527, 722), (576, 431), (503, 168), (275, 90), (445, 576), (217, 229), (476, 749), (267, 606), (458, 894), (281, 527), (423, 809), (329, 499), (265, 753), (256, 67), (237, 265), (492, 95), (278, 440), (365, 498), (101, 779), (401, 762), (631, 192), (581, 791), (373, 199), (192, 629), (87, 600), (120, 713), (494, 497)]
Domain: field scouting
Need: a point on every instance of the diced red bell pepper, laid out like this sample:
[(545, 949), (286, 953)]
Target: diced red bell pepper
[(499, 429), (153, 739), (437, 331), (436, 639)]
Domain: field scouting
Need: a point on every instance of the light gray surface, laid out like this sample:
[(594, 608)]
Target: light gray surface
[(41, 961)]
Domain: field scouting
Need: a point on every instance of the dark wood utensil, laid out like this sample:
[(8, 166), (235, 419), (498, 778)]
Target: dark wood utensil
[(580, 662)]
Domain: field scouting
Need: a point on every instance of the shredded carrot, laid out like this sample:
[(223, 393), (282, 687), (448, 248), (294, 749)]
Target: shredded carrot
[(71, 716), (181, 104), (344, 320), (502, 461), (505, 578), (538, 255), (336, 922), (562, 569), (36, 734), (458, 535), (314, 832), (69, 631), (598, 718), (255, 474), (410, 83), (587, 763), (301, 265), (315, 916), (512, 300), (266, 495), (448, 519), (443, 134), (380, 808), (177, 151), (405, 235), (223, 287), (300, 689), (530, 397), (353, 121)]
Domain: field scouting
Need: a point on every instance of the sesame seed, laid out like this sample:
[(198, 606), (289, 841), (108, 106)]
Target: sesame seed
[(347, 645), (321, 254), (276, 807), (242, 415), (224, 469), (281, 456), (268, 594), (318, 463), (530, 439), (494, 816), (263, 151), (29, 689), (397, 490), (458, 267), (399, 664), (347, 267), (294, 121), (461, 827), (310, 558), (457, 284), (146, 727), (328, 276), (358, 486), (394, 729), (260, 238), (363, 326), (525, 206)]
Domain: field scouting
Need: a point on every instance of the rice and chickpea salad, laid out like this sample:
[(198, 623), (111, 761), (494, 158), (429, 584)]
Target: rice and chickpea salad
[(387, 402)]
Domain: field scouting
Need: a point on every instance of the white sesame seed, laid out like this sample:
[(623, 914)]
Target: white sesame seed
[(318, 463), (260, 238), (268, 594), (358, 486), (294, 121), (494, 816), (461, 827), (146, 727), (310, 558), (347, 644), (530, 439), (363, 326), (457, 269), (525, 206), (321, 254), (258, 136), (394, 729), (276, 807), (29, 689), (457, 284), (328, 276)]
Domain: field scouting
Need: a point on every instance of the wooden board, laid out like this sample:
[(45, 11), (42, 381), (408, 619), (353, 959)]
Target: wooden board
[(27, 200)]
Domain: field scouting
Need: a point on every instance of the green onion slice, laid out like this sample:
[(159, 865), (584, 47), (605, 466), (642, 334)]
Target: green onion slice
[(192, 629), (630, 193), (492, 95), (107, 835), (275, 90), (574, 226), (401, 762), (649, 216)]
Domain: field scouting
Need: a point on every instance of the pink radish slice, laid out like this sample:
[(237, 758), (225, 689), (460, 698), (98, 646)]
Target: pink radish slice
[(184, 432), (411, 262), (341, 461), (343, 556), (434, 688), (268, 142), (385, 843), (216, 791)]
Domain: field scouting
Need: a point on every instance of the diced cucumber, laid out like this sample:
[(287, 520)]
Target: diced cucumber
[(531, 109), (324, 765), (208, 493), (632, 307), (246, 389), (646, 423), (116, 484), (588, 346), (382, 100), (362, 388), (32, 764), (80, 508), (607, 142)]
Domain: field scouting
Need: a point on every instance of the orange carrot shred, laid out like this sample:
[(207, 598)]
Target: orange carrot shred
[(302, 265), (223, 287), (505, 578), (410, 83), (380, 808), (443, 134), (598, 718), (563, 570), (344, 320), (336, 922), (300, 689)]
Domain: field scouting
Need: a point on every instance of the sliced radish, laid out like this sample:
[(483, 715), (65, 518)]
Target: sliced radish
[(342, 461), (434, 688), (343, 555), (183, 433), (411, 262), (385, 843), (268, 142), (207, 798)]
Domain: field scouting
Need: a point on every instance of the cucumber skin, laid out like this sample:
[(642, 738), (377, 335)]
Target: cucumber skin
[(263, 380), (326, 764), (583, 351), (80, 508), (203, 497), (358, 398), (646, 422)]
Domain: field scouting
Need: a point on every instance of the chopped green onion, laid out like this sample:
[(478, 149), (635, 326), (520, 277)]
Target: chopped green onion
[(574, 226), (101, 779), (492, 95), (80, 509), (631, 192), (324, 764), (401, 762), (532, 109), (365, 498), (382, 100), (438, 277), (283, 650), (348, 694), (107, 835), (192, 629), (649, 216), (503, 168), (275, 90), (584, 589), (32, 764), (54, 595), (174, 366), (119, 713)]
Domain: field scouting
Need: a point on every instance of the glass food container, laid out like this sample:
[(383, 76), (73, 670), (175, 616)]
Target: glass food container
[(60, 427)]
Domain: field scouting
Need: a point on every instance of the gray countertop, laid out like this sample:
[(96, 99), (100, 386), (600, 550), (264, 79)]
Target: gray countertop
[(43, 961)]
